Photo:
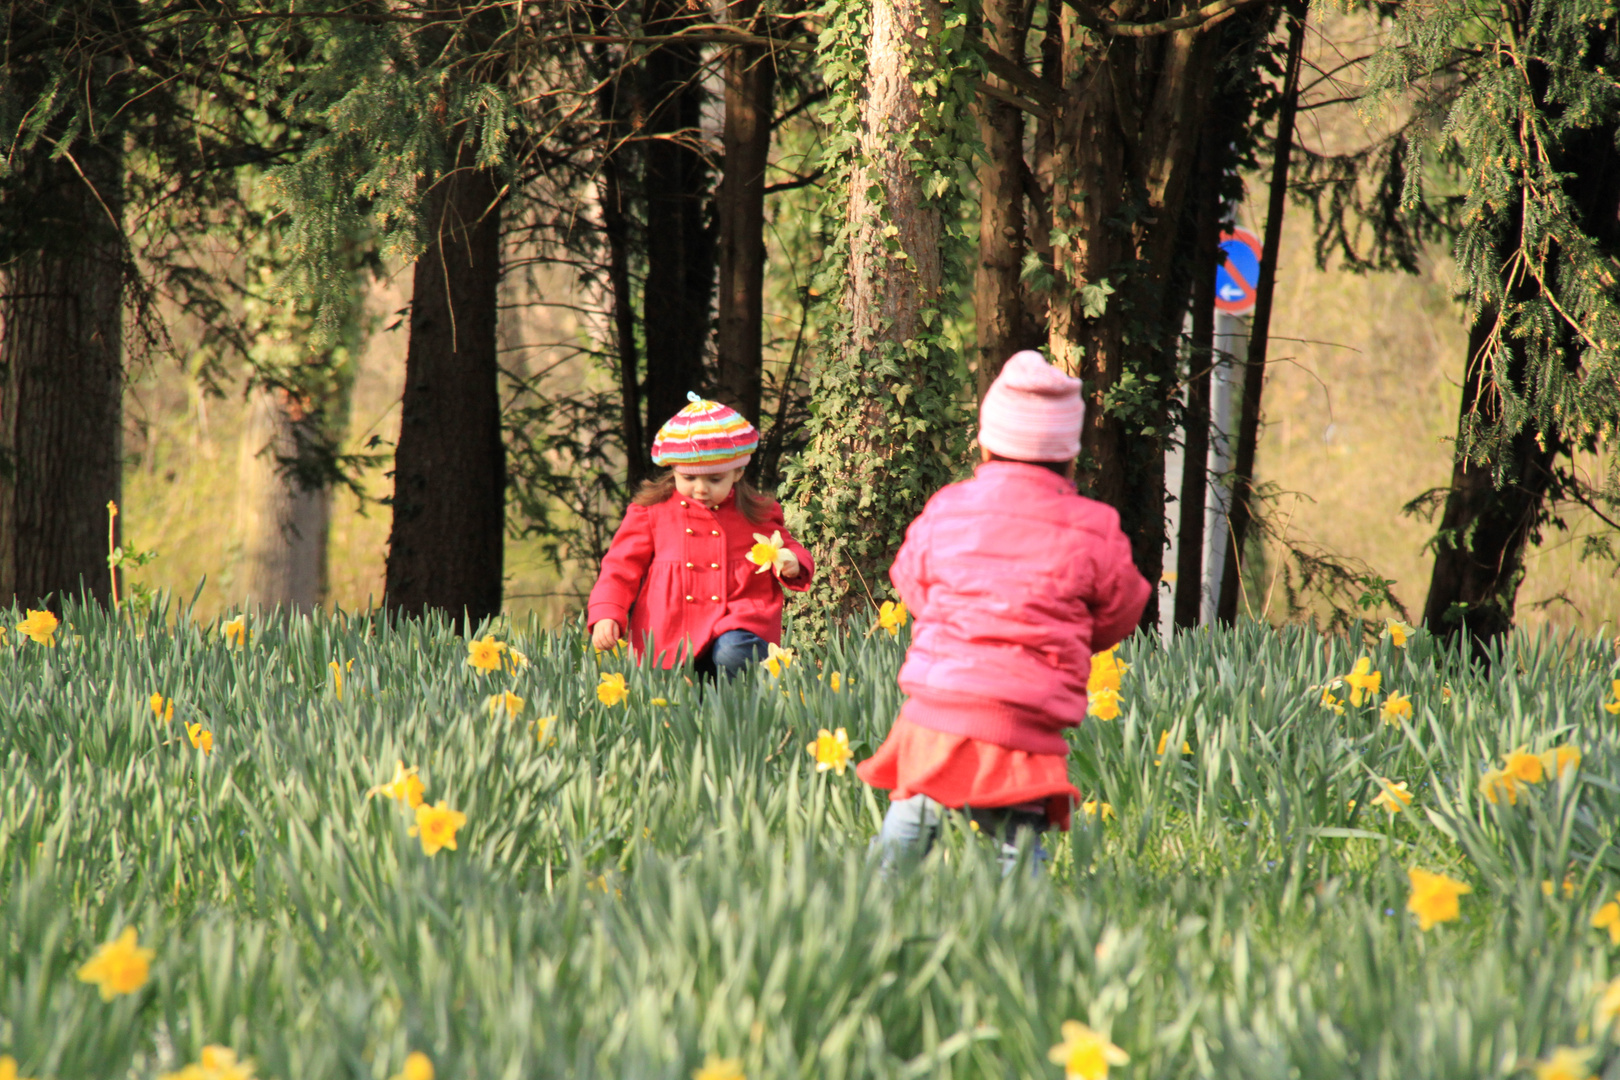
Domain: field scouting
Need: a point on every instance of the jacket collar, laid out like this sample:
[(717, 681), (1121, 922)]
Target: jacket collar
[(1025, 472)]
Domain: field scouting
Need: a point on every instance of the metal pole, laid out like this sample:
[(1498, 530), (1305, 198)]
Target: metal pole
[(1232, 346)]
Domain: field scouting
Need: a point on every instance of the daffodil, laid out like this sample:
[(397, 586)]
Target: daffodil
[(1364, 682), (200, 739), (437, 826), (506, 702), (8, 1068), (236, 632), (1330, 702), (1565, 1063), (215, 1063), (1613, 707), (485, 654), (777, 659), (1106, 671), (719, 1068), (1164, 741), (612, 690), (659, 701), (1392, 797), (1434, 897), (892, 615), (1085, 1054), (1095, 808), (831, 750), (1559, 758), (119, 966), (1608, 1006), (337, 675), (417, 1067), (519, 659), (406, 787), (1569, 887), (1607, 918), (542, 725), (1398, 632), (1103, 704), (769, 553), (1524, 766), (835, 682), (162, 707), (1497, 784), (1397, 707), (39, 627)]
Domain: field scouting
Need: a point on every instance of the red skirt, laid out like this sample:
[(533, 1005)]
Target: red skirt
[(959, 771)]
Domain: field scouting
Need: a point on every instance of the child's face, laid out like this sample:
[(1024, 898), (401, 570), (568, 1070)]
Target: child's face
[(711, 491)]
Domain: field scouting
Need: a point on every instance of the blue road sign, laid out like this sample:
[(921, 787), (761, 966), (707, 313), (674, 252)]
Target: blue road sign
[(1239, 274)]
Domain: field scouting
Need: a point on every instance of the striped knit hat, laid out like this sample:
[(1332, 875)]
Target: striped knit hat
[(705, 438)]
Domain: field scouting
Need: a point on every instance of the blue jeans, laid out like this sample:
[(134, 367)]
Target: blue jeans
[(730, 653), (911, 826)]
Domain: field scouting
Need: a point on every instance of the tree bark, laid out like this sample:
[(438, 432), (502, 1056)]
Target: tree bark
[(998, 303), (61, 382), (446, 547), (1189, 597), (284, 525), (750, 81), (1254, 372), (680, 247), (616, 229)]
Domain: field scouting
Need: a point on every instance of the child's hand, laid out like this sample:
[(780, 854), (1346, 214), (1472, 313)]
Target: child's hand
[(789, 564), (605, 634)]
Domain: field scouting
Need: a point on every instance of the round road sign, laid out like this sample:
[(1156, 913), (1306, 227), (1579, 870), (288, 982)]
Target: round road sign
[(1239, 273)]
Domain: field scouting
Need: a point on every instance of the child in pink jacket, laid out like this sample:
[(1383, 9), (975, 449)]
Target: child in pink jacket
[(1015, 580)]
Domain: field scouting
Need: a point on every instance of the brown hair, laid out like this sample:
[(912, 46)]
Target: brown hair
[(752, 503), (1059, 467)]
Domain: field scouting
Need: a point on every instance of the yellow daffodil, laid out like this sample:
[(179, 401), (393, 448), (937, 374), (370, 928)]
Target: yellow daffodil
[(417, 1067), (612, 690), (835, 682), (1364, 682), (1559, 758), (437, 826), (892, 616), (1607, 918), (1608, 1006), (769, 553), (1331, 702), (236, 632), (1612, 707), (119, 966), (1569, 886), (215, 1063), (1397, 707), (162, 707), (1523, 766), (831, 750), (519, 660), (1085, 1054), (39, 627), (406, 787), (1106, 671), (1565, 1063), (719, 1068), (1392, 797), (1434, 897), (1497, 784), (485, 654), (1095, 807), (542, 725), (8, 1068), (1398, 632), (200, 739), (777, 659), (1164, 741), (337, 675), (1103, 704), (506, 702)]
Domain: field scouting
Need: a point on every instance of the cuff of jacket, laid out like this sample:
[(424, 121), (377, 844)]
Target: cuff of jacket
[(807, 571)]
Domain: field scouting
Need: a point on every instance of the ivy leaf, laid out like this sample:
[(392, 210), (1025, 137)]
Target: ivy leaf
[(1094, 298)]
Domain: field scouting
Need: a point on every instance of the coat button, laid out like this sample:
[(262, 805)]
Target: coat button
[(714, 532), (712, 566), (689, 566), (715, 598), (683, 502), (688, 532), (688, 599)]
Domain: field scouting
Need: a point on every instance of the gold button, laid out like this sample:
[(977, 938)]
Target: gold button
[(688, 532), (689, 566), (715, 598), (683, 502), (715, 532), (712, 566), (688, 599)]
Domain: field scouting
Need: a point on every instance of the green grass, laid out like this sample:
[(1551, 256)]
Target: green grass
[(663, 882)]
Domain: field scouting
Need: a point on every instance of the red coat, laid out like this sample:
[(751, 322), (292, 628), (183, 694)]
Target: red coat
[(677, 573), (1014, 580)]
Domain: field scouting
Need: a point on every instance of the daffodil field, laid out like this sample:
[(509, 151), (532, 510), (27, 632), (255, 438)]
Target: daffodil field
[(309, 849)]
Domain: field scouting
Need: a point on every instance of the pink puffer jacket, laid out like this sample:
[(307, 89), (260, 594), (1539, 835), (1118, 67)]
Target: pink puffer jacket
[(1014, 580)]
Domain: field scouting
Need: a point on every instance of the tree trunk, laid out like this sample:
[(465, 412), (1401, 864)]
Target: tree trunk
[(1254, 371), (750, 79), (445, 551), (1189, 598), (616, 229), (680, 247), (284, 525), (1479, 551), (61, 382), (998, 303)]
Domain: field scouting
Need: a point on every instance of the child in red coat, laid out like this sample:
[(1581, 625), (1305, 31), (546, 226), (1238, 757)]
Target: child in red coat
[(1015, 580), (697, 568)]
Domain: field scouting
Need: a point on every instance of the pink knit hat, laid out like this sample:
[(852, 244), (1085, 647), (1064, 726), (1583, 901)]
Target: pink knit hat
[(1032, 412), (705, 438)]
